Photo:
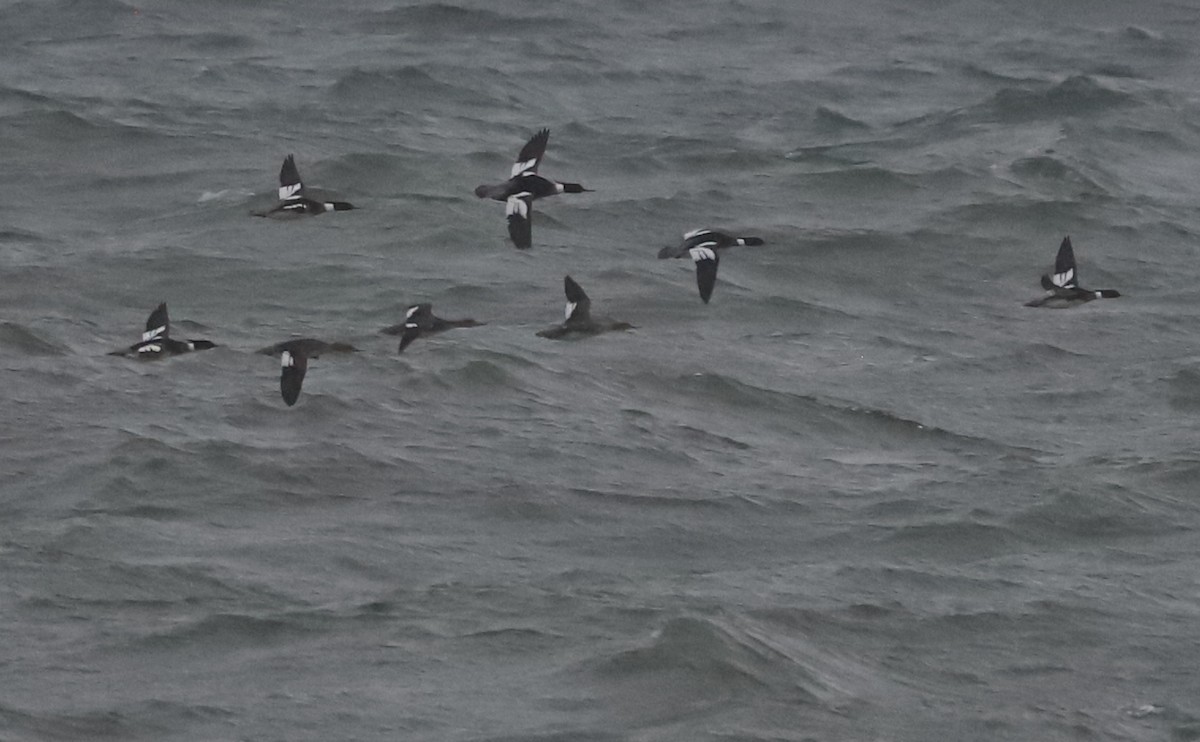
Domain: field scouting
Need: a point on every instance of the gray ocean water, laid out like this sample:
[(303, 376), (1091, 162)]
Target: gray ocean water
[(864, 494)]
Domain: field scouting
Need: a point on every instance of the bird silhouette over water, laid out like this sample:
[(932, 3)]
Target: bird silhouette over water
[(1063, 286), (579, 319), (292, 199), (701, 245), (420, 320), (525, 186), (157, 341)]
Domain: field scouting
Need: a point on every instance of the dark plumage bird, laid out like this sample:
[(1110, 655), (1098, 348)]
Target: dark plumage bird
[(292, 199), (524, 187), (157, 341), (293, 361), (308, 346), (420, 320), (1063, 285), (293, 366), (579, 316), (701, 246)]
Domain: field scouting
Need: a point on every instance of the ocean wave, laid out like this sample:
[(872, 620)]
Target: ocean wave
[(962, 540), (704, 154), (64, 127), (17, 236), (210, 41), (225, 631), (97, 724), (695, 664), (829, 120), (24, 341), (1184, 389), (714, 661), (866, 426), (1139, 40), (1099, 516), (1054, 170), (867, 181), (16, 100), (480, 375), (388, 86), (444, 19), (1078, 95), (30, 19)]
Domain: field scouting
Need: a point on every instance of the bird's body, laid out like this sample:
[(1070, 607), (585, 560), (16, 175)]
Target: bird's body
[(525, 186), (157, 342), (579, 320)]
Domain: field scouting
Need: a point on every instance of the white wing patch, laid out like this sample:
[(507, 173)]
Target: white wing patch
[(695, 233), (289, 191), (411, 311), (286, 360), (516, 204), (571, 309), (521, 167), (154, 334), (155, 348), (1064, 280), (702, 253)]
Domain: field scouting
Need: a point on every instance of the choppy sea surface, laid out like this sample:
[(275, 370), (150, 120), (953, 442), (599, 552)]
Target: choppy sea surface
[(863, 494)]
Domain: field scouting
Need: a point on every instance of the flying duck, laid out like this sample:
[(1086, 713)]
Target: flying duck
[(524, 187), (293, 362), (157, 341), (1063, 290), (579, 316), (420, 320), (701, 245), (293, 202)]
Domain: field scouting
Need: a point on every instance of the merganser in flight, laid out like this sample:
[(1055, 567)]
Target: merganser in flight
[(524, 187)]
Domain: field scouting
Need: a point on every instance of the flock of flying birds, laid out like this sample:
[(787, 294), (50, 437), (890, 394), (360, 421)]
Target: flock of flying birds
[(523, 187)]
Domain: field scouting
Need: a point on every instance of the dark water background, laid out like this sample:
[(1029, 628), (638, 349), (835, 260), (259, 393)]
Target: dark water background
[(864, 494)]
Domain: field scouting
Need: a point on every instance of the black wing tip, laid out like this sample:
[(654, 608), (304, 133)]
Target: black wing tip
[(407, 339), (520, 231), (291, 378), (1065, 247), (753, 241), (288, 174), (577, 296)]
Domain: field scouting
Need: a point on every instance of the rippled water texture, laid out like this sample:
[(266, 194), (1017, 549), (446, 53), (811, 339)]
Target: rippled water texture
[(862, 494)]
